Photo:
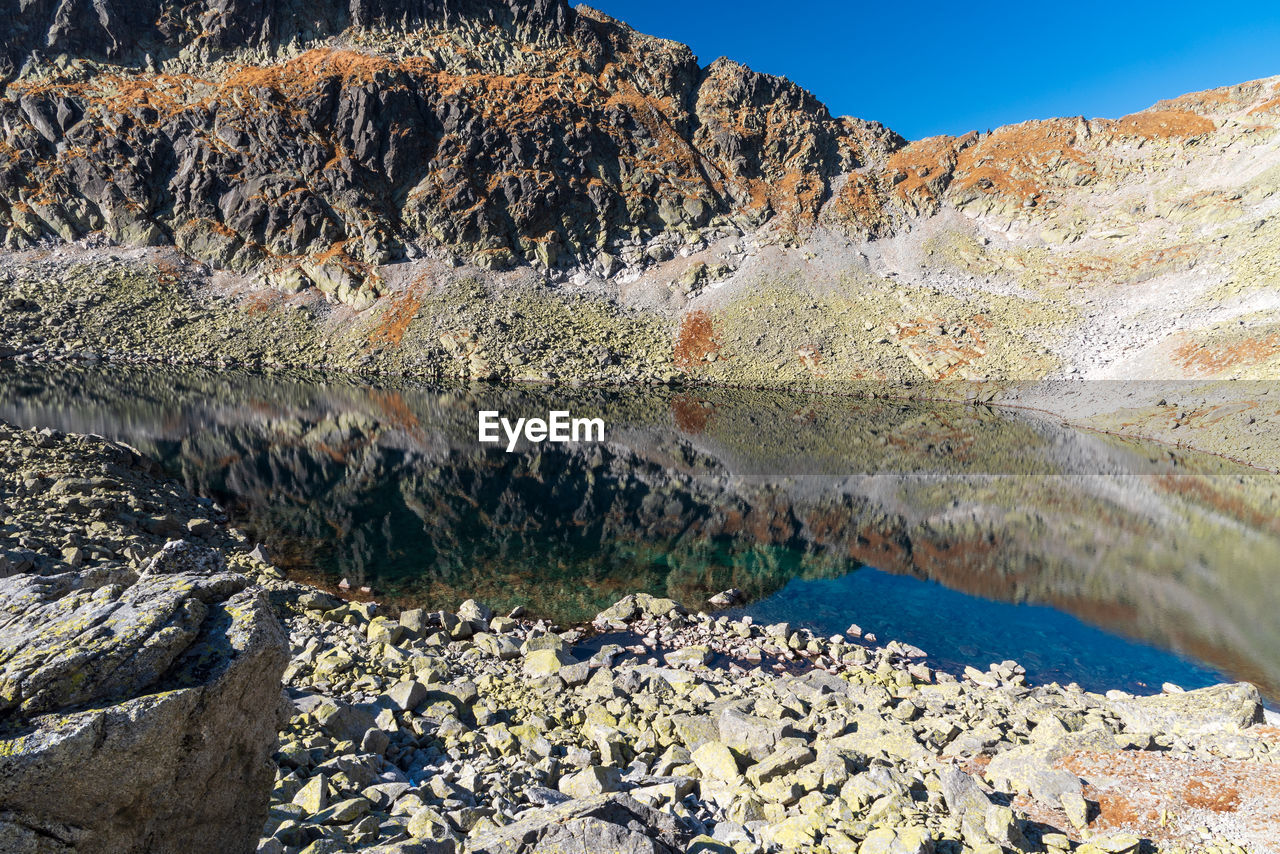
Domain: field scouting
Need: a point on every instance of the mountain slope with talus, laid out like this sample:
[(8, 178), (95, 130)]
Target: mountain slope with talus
[(527, 191)]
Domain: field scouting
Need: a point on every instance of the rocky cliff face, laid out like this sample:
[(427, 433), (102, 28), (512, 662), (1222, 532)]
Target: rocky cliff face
[(501, 133)]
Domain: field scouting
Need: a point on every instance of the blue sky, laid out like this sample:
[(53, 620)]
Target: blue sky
[(930, 68)]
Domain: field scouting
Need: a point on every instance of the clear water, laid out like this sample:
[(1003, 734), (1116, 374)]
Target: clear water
[(975, 534), (956, 630)]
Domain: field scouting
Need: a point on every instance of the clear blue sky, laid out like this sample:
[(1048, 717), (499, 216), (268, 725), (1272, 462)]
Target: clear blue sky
[(930, 68)]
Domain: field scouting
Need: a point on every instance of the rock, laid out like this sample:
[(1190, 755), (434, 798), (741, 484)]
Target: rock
[(1049, 787), (689, 656), (499, 646), (426, 823), (343, 812), (902, 840), (384, 630), (1076, 809), (415, 846), (797, 832), (621, 612), (474, 612), (318, 600), (716, 761), (889, 737), (169, 717), (414, 621), (750, 735), (708, 845), (726, 598), (1017, 769), (344, 721), (961, 793), (605, 823), (1206, 710), (546, 662), (375, 741), (1116, 843), (407, 695), (784, 761), (314, 796), (695, 730), (540, 642), (594, 780), (659, 607), (184, 556), (1001, 826), (576, 674)]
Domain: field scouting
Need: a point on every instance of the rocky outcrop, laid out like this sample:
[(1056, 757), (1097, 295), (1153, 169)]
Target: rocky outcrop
[(502, 132), (139, 697), (499, 132)]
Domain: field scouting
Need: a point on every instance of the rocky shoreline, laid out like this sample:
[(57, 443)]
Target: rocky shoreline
[(653, 729)]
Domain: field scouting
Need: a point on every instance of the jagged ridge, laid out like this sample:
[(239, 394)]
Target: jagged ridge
[(502, 132)]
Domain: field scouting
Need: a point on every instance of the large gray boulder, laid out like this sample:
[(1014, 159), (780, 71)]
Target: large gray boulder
[(616, 824), (1219, 708), (138, 713)]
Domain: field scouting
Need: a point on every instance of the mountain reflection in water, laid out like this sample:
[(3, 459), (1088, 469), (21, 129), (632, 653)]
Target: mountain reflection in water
[(695, 491)]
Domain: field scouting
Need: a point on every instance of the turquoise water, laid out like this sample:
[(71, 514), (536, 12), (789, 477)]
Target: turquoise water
[(956, 630)]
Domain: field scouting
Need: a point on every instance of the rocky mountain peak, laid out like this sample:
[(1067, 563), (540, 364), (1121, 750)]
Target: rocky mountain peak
[(128, 31)]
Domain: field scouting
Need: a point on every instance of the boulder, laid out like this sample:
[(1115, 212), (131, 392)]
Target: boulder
[(546, 662), (137, 715), (606, 823), (961, 793), (1218, 708), (751, 735), (593, 780)]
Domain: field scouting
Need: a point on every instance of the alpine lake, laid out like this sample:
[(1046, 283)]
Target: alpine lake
[(974, 533)]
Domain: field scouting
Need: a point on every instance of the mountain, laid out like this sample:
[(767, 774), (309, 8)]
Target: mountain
[(524, 190)]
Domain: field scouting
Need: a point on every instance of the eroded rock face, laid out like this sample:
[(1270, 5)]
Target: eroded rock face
[(138, 701), (503, 132)]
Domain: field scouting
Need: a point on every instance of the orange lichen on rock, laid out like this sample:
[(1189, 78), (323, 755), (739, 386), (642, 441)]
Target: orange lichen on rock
[(310, 68), (920, 171), (810, 356), (941, 353), (262, 302), (1097, 268), (1164, 124), (1208, 360), (394, 320), (696, 341), (1167, 799), (1018, 160)]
